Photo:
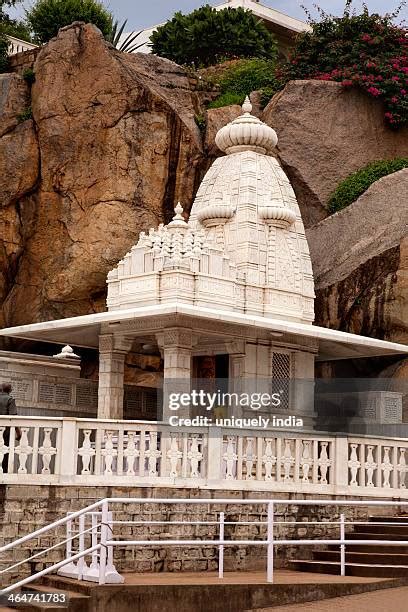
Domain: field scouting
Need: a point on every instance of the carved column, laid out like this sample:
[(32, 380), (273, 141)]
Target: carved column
[(176, 346), (112, 353)]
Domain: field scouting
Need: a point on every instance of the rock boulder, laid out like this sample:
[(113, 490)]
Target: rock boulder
[(325, 133)]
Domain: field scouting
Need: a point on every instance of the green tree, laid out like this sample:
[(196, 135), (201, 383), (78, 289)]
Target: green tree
[(206, 36), (13, 27), (46, 17)]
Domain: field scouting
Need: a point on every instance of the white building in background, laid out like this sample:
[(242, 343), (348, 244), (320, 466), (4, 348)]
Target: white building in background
[(17, 45), (285, 28)]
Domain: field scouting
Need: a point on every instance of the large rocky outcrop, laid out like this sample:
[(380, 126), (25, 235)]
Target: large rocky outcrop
[(19, 172), (118, 147), (360, 262), (325, 133)]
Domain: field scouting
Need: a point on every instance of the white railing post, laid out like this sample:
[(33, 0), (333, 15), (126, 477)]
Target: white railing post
[(112, 576), (82, 567), (221, 547), (92, 573), (104, 537), (341, 457), (70, 570), (69, 442), (214, 454), (269, 566), (342, 547)]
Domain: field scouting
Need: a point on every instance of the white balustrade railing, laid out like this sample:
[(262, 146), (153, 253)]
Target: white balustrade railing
[(17, 45), (99, 452)]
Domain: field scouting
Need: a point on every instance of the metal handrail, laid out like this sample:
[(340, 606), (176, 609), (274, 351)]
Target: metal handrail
[(104, 548)]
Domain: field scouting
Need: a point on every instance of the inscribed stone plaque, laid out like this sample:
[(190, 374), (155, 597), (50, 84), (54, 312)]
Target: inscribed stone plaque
[(63, 394), (392, 412), (22, 389), (46, 393)]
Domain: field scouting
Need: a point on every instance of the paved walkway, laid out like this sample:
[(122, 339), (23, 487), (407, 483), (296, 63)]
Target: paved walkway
[(394, 600)]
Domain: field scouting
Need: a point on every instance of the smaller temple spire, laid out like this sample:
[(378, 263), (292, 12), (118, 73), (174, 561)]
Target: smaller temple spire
[(178, 222)]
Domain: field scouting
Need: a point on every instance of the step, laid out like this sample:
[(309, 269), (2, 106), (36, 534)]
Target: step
[(373, 557), (363, 535), (60, 583), (352, 569), (77, 602), (389, 519), (400, 530), (380, 548)]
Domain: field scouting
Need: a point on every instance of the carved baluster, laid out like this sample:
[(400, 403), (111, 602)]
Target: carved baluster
[(131, 453), (23, 450), (324, 462), (287, 461), (174, 455), (402, 469), (3, 448), (194, 456), (354, 464), (249, 458), (47, 451), (86, 452), (109, 452), (386, 467), (268, 459), (370, 465), (306, 460), (153, 454), (230, 457)]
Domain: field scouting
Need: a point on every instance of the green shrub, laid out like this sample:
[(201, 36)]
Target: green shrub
[(29, 75), (367, 51), (357, 183), (242, 78), (200, 122), (25, 115), (206, 36), (46, 17), (227, 99)]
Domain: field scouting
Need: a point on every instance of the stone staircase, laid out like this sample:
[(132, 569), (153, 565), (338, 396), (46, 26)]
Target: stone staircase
[(77, 600), (381, 560)]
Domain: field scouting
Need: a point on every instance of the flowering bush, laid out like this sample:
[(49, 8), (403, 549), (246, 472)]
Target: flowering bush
[(367, 51)]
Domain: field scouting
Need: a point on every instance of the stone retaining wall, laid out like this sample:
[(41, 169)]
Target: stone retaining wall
[(24, 509), (19, 62)]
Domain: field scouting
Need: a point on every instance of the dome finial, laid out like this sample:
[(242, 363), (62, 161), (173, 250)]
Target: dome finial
[(246, 133), (247, 106)]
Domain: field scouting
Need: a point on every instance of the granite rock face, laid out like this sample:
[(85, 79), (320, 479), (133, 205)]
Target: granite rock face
[(19, 172), (118, 147), (360, 262), (326, 133)]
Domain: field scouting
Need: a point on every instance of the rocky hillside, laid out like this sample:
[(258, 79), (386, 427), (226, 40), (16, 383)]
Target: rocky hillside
[(111, 147), (104, 144)]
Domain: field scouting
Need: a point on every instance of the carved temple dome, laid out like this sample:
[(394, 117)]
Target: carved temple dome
[(244, 247)]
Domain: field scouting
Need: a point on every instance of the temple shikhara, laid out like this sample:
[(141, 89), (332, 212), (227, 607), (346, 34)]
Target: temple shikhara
[(224, 294)]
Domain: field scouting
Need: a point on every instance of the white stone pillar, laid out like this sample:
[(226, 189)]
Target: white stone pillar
[(112, 353), (176, 345)]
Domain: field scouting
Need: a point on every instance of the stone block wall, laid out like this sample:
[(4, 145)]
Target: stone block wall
[(24, 509), (19, 62)]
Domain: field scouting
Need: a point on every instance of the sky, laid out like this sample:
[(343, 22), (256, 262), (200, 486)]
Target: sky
[(144, 13)]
